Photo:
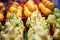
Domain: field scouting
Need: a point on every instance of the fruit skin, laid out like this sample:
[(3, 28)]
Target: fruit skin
[(19, 12), (2, 9), (44, 10), (29, 8), (8, 15), (30, 4), (1, 17), (16, 9), (36, 7), (48, 4), (27, 12)]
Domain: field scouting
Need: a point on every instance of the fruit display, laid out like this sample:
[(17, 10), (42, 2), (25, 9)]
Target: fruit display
[(39, 28), (16, 9), (27, 12), (44, 10), (48, 4), (28, 6), (29, 20), (55, 20), (13, 29), (2, 9)]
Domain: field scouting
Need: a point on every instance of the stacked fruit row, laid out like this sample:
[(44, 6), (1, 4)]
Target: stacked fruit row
[(13, 28), (43, 19)]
